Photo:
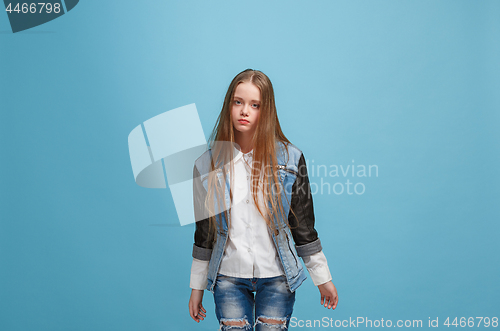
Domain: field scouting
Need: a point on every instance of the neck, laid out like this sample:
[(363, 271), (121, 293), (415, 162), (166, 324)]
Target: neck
[(245, 142)]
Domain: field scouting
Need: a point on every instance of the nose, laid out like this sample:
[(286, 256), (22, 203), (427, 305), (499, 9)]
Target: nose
[(245, 110)]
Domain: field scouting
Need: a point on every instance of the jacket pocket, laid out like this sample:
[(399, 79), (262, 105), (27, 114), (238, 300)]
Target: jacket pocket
[(291, 250)]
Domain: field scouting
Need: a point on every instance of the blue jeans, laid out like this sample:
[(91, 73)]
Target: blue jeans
[(235, 303)]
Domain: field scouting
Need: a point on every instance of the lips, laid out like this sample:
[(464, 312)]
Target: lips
[(243, 121)]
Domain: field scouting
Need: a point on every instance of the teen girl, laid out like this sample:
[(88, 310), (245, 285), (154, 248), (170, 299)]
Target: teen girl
[(248, 211)]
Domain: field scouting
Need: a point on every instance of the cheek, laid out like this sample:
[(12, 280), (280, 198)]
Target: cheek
[(234, 113), (257, 116)]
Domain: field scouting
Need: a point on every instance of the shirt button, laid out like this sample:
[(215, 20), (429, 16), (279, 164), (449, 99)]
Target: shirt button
[(249, 249), (247, 201)]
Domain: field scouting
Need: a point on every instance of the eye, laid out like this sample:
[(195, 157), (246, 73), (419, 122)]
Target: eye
[(237, 102), (256, 105)]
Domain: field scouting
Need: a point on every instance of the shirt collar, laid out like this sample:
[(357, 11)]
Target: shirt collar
[(238, 155)]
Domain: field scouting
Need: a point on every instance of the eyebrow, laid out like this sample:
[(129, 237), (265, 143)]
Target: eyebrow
[(250, 100)]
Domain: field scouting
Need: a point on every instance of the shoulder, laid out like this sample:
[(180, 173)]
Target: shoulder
[(203, 162), (293, 152), (281, 145)]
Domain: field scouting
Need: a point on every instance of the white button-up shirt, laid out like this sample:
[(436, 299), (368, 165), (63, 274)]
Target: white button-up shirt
[(250, 251)]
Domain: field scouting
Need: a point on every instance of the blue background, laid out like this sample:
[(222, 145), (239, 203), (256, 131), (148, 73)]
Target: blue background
[(409, 86)]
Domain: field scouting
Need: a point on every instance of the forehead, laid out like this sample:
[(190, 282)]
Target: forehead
[(247, 90)]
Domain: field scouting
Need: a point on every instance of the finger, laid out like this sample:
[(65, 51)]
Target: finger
[(192, 309), (322, 298), (191, 313), (202, 311), (334, 303)]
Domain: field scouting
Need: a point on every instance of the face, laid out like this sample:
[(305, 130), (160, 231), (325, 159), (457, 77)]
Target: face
[(246, 109)]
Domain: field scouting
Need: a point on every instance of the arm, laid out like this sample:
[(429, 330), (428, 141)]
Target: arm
[(306, 239), (199, 271), (202, 250), (198, 282), (304, 234), (203, 240), (317, 266)]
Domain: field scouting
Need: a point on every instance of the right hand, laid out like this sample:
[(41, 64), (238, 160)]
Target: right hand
[(196, 309)]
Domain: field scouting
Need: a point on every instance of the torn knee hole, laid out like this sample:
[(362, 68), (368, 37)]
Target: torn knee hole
[(240, 322), (271, 320)]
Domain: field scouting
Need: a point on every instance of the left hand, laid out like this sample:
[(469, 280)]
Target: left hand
[(329, 297)]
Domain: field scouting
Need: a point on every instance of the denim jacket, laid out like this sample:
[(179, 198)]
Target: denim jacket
[(295, 188)]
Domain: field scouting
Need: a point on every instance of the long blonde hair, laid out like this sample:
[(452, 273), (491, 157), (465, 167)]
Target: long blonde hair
[(267, 133)]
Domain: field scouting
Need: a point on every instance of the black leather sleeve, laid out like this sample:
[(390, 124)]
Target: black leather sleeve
[(302, 226), (203, 240)]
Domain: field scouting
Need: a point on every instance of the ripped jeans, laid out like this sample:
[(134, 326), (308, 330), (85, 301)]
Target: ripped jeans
[(235, 303)]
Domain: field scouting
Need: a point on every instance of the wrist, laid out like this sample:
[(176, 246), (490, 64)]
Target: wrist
[(322, 284)]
